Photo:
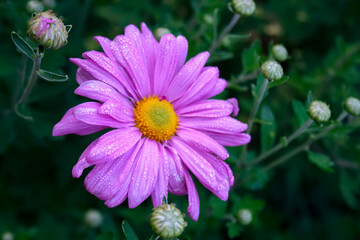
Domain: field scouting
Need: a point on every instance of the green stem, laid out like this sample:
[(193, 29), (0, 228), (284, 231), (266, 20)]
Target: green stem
[(225, 32), (251, 119), (305, 145), (279, 146), (32, 79), (247, 77)]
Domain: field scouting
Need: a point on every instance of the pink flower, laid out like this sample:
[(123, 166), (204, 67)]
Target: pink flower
[(163, 124)]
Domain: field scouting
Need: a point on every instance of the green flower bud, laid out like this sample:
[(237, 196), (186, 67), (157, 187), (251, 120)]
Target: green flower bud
[(244, 7), (167, 221), (34, 6), (272, 70), (93, 218), (280, 53), (352, 106), (47, 30), (159, 32), (7, 236), (244, 216), (319, 111)]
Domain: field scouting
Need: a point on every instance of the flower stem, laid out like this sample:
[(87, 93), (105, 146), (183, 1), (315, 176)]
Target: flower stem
[(279, 146), (251, 119), (247, 77), (225, 32), (306, 144), (32, 79)]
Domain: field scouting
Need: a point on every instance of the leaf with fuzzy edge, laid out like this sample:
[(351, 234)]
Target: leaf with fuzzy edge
[(321, 160), (22, 45)]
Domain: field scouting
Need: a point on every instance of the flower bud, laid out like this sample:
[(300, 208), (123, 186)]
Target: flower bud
[(244, 7), (319, 111), (47, 30), (7, 236), (272, 70), (167, 221), (244, 216), (280, 53), (159, 32), (352, 106), (93, 218), (34, 6)]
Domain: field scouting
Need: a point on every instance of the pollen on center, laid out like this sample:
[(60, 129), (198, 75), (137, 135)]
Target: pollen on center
[(155, 118)]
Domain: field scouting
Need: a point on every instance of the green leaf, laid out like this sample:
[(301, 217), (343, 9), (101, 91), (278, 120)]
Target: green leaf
[(255, 89), (105, 236), (234, 229), (321, 160), (279, 82), (268, 131), (128, 231), (52, 77), (349, 187), (300, 112), (23, 112), (218, 207), (250, 57), (22, 45)]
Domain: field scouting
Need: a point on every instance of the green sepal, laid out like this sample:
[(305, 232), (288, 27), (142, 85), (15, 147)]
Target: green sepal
[(128, 231), (22, 45), (52, 77)]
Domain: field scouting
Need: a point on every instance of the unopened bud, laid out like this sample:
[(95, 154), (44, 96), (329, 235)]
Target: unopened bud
[(159, 32), (272, 70), (7, 236), (280, 53), (93, 218), (49, 3), (34, 6), (352, 106), (319, 111), (244, 216), (167, 221), (47, 30), (244, 7)]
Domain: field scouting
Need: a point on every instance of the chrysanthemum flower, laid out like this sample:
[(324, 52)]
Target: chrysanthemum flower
[(163, 124)]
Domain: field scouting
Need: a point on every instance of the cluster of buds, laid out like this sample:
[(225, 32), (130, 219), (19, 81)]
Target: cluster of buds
[(319, 111), (272, 70), (93, 218), (244, 7), (47, 30), (161, 31), (167, 221), (279, 52), (352, 106), (244, 216)]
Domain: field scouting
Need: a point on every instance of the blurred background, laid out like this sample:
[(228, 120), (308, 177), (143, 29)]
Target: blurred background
[(39, 199)]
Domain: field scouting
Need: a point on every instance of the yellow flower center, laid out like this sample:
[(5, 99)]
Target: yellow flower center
[(155, 118)]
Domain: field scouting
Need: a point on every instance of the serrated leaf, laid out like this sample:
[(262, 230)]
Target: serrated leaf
[(268, 131), (321, 160), (300, 112), (22, 45), (279, 82), (52, 77), (348, 187), (128, 231)]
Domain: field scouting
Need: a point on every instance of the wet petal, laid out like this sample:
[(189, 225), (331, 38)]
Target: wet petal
[(194, 201), (231, 140), (161, 186), (177, 183), (207, 108)]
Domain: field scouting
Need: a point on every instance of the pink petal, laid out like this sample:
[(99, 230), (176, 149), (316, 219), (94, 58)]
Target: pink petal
[(219, 88), (125, 176), (98, 72), (82, 163), (161, 186), (200, 88), (194, 201), (97, 90), (105, 43), (182, 45), (207, 108), (82, 76), (151, 49), (135, 35), (234, 103), (225, 125), (113, 144), (145, 174), (121, 111), (231, 140), (166, 63), (202, 141), (129, 57), (222, 169), (177, 183), (69, 124), (187, 75), (88, 113)]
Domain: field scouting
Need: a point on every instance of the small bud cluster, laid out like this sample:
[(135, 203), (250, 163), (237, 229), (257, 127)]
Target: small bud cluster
[(47, 30), (352, 106), (7, 236), (159, 32), (279, 52), (244, 216), (167, 221), (319, 111), (93, 218), (272, 70), (244, 7)]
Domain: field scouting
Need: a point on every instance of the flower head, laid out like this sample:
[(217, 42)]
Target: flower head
[(352, 106), (47, 30), (272, 70), (319, 111), (163, 124), (244, 7), (280, 52)]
